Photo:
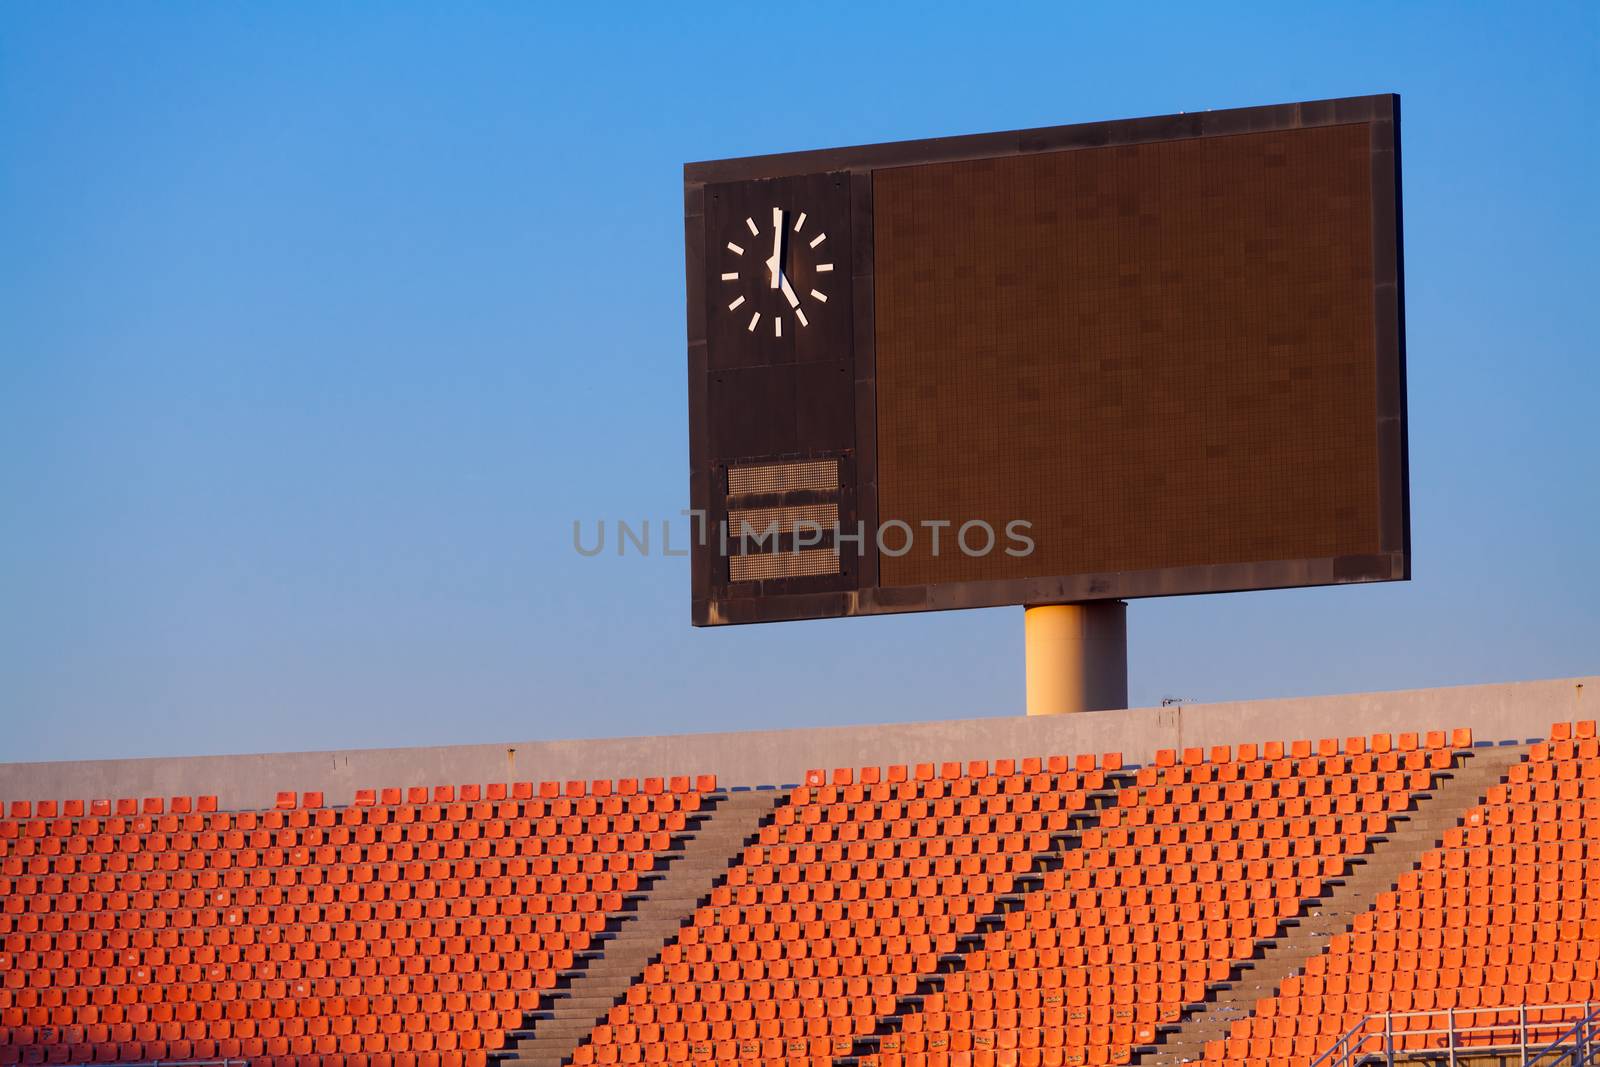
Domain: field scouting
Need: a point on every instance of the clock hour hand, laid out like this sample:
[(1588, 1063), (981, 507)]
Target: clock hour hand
[(773, 264)]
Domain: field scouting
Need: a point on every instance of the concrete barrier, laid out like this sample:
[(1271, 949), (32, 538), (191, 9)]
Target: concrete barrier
[(1515, 710)]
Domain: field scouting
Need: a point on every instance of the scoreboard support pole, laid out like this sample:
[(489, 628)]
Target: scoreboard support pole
[(1077, 657)]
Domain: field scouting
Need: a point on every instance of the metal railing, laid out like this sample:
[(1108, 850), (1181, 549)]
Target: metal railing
[(1532, 1032), (1578, 1047)]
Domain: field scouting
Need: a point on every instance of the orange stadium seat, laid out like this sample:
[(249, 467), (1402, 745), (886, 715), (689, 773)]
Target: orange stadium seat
[(415, 932)]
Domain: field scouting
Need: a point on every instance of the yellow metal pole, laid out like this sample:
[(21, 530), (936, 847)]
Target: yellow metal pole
[(1077, 657)]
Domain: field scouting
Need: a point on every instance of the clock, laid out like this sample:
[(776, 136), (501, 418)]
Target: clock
[(775, 272), (775, 276), (761, 289)]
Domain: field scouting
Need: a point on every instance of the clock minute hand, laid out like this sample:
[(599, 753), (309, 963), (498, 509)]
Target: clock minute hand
[(788, 293), (777, 245)]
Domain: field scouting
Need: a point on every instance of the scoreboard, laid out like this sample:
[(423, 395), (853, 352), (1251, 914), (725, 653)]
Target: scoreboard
[(1123, 359)]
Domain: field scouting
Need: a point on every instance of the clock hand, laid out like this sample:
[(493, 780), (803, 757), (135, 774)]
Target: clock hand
[(788, 293), (777, 245)]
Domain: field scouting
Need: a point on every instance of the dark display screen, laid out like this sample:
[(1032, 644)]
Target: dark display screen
[(1159, 355)]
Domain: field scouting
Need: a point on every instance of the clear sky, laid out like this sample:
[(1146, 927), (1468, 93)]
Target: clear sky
[(321, 323)]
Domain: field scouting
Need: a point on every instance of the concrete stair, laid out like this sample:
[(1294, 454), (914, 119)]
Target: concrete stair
[(1391, 855), (699, 859)]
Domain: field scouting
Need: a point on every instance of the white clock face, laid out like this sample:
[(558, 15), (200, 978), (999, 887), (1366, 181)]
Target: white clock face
[(772, 298)]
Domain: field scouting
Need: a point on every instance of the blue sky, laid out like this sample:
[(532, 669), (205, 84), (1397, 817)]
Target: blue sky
[(319, 325)]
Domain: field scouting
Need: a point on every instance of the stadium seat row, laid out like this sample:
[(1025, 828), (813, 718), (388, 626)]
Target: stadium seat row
[(414, 795)]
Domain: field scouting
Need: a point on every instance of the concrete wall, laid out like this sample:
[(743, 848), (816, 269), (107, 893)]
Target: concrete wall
[(1517, 710)]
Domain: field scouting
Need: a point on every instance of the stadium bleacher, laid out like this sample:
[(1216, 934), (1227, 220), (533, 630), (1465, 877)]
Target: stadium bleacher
[(1205, 855), (420, 923), (1505, 914), (1250, 904), (845, 904)]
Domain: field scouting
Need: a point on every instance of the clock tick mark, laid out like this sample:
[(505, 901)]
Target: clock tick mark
[(735, 249), (735, 305), (754, 229), (818, 239), (731, 276), (799, 222), (823, 268), (753, 320), (801, 315), (777, 327), (822, 298)]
